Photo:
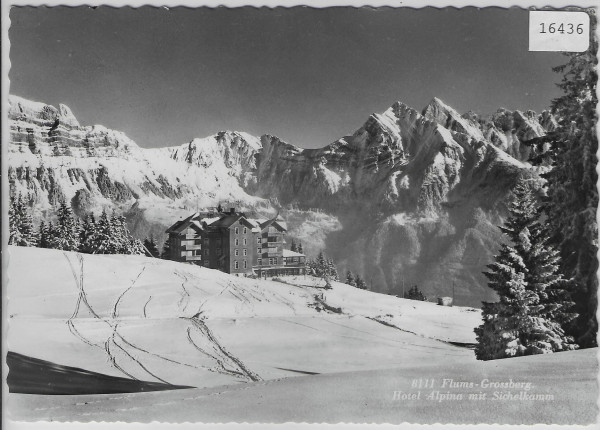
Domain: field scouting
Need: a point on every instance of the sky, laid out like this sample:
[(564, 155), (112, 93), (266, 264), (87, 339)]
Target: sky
[(309, 76)]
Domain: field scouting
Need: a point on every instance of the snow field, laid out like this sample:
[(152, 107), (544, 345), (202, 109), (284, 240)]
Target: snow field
[(164, 321)]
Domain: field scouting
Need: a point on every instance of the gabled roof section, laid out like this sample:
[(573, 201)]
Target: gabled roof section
[(181, 225), (273, 222), (226, 221)]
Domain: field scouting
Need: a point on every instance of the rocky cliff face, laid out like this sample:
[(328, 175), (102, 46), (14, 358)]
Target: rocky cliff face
[(53, 158), (409, 198), (418, 195)]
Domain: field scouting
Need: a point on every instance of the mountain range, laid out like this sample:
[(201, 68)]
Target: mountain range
[(410, 198)]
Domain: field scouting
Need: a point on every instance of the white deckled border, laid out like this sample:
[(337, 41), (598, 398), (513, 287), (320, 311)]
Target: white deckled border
[(5, 44)]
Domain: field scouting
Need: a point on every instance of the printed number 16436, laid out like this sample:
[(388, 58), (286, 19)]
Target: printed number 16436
[(562, 28)]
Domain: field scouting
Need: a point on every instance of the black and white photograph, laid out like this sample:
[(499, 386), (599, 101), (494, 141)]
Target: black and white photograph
[(370, 215)]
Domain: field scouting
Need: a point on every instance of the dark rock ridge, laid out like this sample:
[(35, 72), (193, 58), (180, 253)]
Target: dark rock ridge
[(418, 194)]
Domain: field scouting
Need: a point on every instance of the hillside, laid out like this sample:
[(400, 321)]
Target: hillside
[(169, 322), (243, 345), (411, 197)]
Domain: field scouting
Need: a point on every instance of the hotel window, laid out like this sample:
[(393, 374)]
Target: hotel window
[(258, 239), (258, 251), (236, 252), (236, 265), (245, 241), (219, 241), (237, 242), (206, 240), (219, 251), (245, 251), (245, 230), (198, 242), (259, 261), (206, 252), (237, 230), (206, 263), (245, 264)]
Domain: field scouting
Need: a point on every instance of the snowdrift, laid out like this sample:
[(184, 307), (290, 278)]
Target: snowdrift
[(167, 322)]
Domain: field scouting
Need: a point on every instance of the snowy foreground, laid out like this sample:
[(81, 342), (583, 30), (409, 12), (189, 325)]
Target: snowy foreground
[(266, 351)]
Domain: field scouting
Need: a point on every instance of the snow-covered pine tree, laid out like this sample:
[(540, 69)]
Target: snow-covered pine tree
[(43, 236), (350, 279), (20, 223), (86, 234), (544, 277), (100, 236), (332, 270), (320, 265), (151, 247), (65, 234), (572, 196), (360, 283), (110, 235), (127, 244), (414, 293), (524, 321)]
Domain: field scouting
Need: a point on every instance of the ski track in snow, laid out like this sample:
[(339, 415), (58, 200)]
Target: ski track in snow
[(145, 305), (115, 312), (201, 326), (225, 362), (82, 298), (184, 301)]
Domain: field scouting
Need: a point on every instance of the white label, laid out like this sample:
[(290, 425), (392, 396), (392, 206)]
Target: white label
[(559, 31)]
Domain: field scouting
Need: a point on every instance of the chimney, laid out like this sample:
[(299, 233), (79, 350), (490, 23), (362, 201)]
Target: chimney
[(232, 211)]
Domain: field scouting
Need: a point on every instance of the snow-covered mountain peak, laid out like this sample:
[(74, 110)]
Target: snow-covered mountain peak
[(231, 149), (21, 109), (448, 117)]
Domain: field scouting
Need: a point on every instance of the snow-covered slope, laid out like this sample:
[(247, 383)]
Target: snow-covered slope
[(171, 322), (566, 382)]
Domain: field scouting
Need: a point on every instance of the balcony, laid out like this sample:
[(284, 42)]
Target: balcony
[(294, 264), (190, 246), (193, 257)]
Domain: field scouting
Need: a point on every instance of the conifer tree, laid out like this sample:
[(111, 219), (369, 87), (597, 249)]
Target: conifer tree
[(320, 265), (125, 242), (572, 196), (532, 304), (166, 250), (415, 294), (360, 283), (43, 236), (87, 234), (65, 234), (293, 247), (20, 223), (350, 279), (332, 270), (151, 247), (110, 235), (299, 248)]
